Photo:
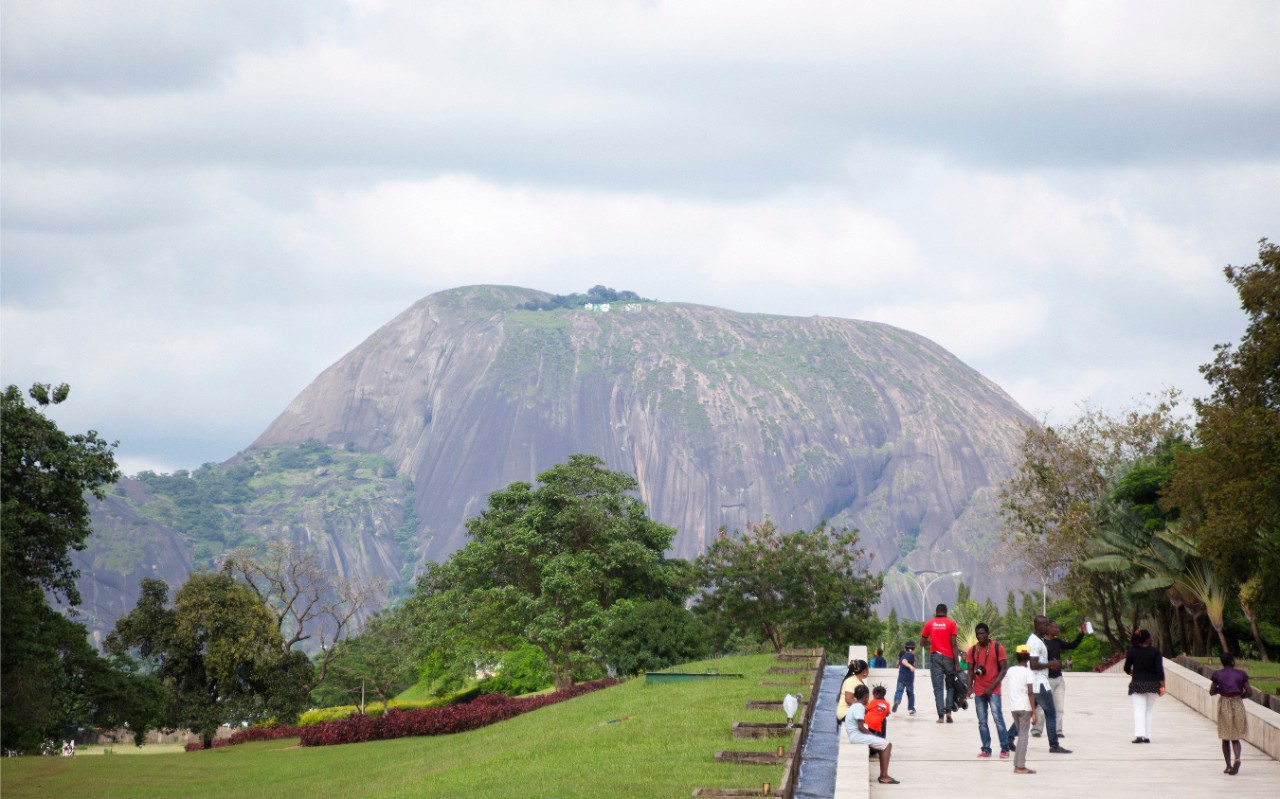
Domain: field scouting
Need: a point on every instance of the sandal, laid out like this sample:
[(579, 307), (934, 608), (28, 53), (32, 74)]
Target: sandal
[(888, 781), (1024, 771)]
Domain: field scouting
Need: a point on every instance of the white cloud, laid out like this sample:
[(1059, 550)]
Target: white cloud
[(205, 204)]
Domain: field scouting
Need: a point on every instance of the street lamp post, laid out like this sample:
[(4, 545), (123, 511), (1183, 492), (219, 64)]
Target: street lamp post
[(924, 589)]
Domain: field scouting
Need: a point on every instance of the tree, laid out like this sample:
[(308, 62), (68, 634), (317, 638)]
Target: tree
[(49, 674), (806, 588), (380, 658), (545, 565), (217, 652), (306, 600), (1228, 488), (46, 474), (1055, 504), (652, 635)]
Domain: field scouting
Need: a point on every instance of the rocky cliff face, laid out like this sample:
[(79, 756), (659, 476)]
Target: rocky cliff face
[(350, 508), (723, 417)]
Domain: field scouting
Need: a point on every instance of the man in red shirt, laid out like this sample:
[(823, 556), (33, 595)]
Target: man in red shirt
[(987, 665), (940, 635)]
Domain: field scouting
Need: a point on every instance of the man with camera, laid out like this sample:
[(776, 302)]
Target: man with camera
[(987, 665)]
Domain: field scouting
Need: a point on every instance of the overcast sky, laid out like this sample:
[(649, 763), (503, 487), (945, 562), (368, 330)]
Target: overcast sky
[(207, 203)]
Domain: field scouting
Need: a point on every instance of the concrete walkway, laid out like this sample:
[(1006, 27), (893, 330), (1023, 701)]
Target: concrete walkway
[(1184, 758)]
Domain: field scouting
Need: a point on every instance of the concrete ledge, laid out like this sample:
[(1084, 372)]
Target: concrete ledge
[(1192, 690), (853, 775)]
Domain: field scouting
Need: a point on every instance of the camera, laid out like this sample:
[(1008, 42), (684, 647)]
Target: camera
[(979, 671)]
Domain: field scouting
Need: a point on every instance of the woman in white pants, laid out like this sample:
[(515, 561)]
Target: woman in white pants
[(1145, 668)]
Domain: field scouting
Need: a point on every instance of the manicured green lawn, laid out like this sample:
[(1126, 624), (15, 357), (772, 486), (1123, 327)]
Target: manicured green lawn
[(632, 740)]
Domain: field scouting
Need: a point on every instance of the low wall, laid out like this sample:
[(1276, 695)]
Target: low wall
[(1192, 690)]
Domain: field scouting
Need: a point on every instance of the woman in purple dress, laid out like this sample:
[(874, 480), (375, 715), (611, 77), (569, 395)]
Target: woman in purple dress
[(1230, 685)]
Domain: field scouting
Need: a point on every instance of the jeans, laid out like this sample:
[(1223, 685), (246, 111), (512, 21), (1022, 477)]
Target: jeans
[(1059, 687), (1044, 701), (981, 704), (910, 688), (942, 670)]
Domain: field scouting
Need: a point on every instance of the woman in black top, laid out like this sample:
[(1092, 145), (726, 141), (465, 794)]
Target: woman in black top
[(1145, 667)]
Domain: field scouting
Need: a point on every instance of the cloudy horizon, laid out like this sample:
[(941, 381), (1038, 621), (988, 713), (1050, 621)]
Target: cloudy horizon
[(206, 204)]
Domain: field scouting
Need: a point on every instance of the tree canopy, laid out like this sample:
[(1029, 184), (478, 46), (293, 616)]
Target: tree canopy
[(1228, 488), (50, 675), (46, 474), (544, 565), (806, 588), (217, 651), (1060, 499)]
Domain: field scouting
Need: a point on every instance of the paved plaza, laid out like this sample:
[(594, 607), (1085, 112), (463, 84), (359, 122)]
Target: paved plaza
[(1183, 760)]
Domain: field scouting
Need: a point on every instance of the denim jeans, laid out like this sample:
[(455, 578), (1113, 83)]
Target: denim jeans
[(1044, 701), (910, 688), (942, 671), (981, 704)]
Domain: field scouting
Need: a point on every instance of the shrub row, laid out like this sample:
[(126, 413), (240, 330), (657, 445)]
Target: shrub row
[(323, 714), (397, 723), (264, 733)]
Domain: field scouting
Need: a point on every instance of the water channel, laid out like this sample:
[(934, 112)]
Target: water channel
[(817, 779)]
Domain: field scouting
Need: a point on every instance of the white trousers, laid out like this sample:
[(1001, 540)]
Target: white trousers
[(1142, 705), (1057, 687)]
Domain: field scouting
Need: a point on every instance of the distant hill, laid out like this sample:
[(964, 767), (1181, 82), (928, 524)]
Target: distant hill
[(723, 417)]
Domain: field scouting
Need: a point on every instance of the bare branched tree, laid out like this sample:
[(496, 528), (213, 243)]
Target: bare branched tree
[(307, 601)]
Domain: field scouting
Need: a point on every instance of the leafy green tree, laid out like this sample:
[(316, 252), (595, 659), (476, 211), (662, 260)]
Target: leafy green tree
[(1056, 502), (380, 659), (806, 588), (545, 564), (217, 652), (50, 676), (647, 636), (522, 670), (1228, 488), (46, 474)]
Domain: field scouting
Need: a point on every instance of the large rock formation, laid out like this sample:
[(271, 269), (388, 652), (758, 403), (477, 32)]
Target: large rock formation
[(724, 418)]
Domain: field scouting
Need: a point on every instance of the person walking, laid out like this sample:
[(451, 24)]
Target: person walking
[(1040, 665), (1145, 668), (1057, 684), (1017, 686), (1231, 685), (906, 679), (987, 665), (940, 633)]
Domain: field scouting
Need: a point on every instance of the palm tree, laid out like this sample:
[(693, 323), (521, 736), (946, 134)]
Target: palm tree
[(1249, 593)]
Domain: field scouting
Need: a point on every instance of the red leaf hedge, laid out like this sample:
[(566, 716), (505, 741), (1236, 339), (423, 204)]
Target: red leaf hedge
[(396, 723), (1109, 662)]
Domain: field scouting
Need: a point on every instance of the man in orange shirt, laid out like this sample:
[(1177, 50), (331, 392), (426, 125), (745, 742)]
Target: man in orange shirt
[(940, 634)]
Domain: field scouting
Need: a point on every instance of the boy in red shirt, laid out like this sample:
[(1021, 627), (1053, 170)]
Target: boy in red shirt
[(877, 711)]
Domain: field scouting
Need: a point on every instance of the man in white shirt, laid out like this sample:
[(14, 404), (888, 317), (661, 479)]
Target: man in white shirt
[(1040, 664), (1016, 688)]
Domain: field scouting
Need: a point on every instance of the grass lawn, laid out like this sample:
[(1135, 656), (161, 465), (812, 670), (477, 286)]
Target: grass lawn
[(631, 740), (1263, 676)]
